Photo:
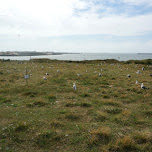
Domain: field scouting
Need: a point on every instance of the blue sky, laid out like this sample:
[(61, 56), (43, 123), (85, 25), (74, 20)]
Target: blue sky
[(112, 26)]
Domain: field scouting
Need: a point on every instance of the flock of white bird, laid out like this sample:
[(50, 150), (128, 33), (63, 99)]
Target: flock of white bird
[(142, 85), (138, 72), (74, 84)]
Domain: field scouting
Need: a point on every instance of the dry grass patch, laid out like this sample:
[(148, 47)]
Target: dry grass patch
[(100, 136), (38, 103), (73, 117), (21, 127), (48, 138), (111, 110), (112, 103), (100, 116), (56, 124), (126, 112), (143, 137), (126, 144)]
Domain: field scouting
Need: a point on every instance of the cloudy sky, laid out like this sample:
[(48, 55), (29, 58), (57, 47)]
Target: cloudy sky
[(112, 26)]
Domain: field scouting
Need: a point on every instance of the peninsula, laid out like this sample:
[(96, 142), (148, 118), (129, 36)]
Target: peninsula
[(30, 53)]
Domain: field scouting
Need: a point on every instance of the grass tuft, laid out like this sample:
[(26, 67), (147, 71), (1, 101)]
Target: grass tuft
[(113, 110), (70, 104), (51, 98), (39, 103), (126, 144), (72, 117), (46, 139), (112, 103), (84, 95), (143, 137), (85, 104), (30, 93), (148, 112), (100, 136), (100, 116), (56, 124), (21, 127)]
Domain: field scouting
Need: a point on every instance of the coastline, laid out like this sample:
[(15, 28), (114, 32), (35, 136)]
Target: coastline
[(111, 61), (82, 57)]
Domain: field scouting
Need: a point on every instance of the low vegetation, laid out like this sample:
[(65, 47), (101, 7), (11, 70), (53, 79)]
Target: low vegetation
[(110, 113)]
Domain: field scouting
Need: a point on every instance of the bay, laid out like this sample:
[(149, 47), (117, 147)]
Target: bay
[(85, 56)]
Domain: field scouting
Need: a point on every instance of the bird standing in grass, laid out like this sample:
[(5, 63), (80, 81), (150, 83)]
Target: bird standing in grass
[(143, 87), (128, 76), (138, 72), (44, 78), (74, 86)]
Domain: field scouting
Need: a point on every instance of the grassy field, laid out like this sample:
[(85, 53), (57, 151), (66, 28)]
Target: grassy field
[(107, 114)]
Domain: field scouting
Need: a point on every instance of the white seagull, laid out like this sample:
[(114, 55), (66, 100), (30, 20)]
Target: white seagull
[(74, 86), (128, 75), (143, 87), (138, 72), (44, 78)]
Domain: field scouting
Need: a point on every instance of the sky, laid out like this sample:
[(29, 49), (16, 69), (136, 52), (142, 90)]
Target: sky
[(84, 26)]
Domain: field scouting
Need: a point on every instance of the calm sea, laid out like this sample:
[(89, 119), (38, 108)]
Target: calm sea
[(85, 56)]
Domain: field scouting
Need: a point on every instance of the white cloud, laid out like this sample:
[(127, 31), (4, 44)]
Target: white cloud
[(54, 18), (138, 2), (36, 16), (48, 18)]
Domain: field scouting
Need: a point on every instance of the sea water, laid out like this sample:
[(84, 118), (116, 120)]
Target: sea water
[(85, 56)]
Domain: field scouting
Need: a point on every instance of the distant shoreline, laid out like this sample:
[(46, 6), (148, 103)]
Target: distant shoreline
[(78, 56), (18, 54), (145, 53)]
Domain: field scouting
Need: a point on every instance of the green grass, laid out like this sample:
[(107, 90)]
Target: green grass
[(108, 113)]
